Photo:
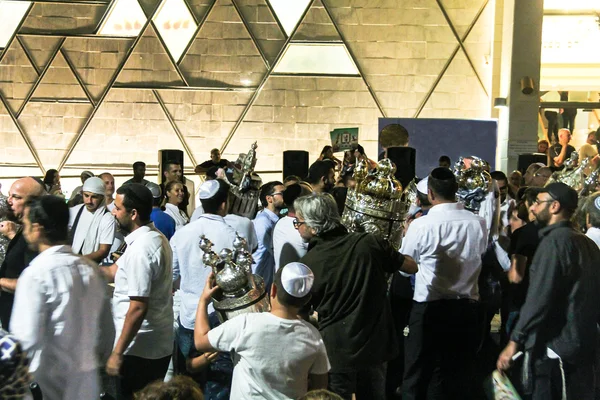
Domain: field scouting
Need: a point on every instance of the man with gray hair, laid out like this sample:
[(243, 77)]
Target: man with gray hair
[(350, 296)]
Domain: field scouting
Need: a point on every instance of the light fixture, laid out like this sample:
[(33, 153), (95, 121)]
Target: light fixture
[(500, 102), (527, 85)]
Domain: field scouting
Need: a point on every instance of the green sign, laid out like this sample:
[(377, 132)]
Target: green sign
[(343, 138)]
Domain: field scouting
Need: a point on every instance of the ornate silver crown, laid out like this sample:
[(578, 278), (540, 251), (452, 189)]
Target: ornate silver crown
[(473, 182), (242, 291), (376, 204)]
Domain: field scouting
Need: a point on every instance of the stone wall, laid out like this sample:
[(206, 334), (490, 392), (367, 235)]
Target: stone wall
[(401, 47)]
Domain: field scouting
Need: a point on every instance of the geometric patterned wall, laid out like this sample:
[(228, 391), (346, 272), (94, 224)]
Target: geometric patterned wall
[(73, 99)]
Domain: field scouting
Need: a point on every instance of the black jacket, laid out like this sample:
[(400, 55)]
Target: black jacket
[(350, 295), (563, 301)]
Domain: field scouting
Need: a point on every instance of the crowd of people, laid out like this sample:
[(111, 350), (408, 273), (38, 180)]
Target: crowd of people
[(109, 292)]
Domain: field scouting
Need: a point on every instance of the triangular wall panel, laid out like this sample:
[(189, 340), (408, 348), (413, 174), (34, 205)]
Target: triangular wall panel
[(223, 53), (59, 83), (131, 121), (40, 48), (69, 17), (52, 127), (96, 60), (200, 7), (149, 63), (461, 13), (289, 12), (458, 94), (263, 25), (14, 150), (17, 76), (479, 46), (149, 6), (125, 18), (317, 26)]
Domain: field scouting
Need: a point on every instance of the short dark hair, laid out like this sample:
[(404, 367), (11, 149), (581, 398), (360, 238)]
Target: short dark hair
[(530, 194), (423, 199), (168, 163), (499, 176), (49, 177), (266, 190), (284, 297), (139, 164), (211, 206), (180, 387), (318, 170), (445, 159), (291, 178), (326, 149), (137, 197), (52, 213), (359, 148), (442, 182)]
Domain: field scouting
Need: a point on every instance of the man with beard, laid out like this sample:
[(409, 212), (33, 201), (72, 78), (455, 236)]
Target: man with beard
[(271, 198), (92, 226), (557, 325), (142, 300), (350, 296), (62, 310), (18, 254), (321, 177)]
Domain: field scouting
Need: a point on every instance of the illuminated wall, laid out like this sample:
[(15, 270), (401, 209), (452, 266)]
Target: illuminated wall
[(97, 85)]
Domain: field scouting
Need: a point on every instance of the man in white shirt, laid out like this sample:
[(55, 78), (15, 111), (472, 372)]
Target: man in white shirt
[(92, 227), (142, 300), (288, 245), (62, 313), (221, 229), (447, 244), (276, 354)]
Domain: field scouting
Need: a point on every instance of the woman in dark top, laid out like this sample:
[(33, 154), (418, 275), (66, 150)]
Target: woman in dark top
[(523, 243)]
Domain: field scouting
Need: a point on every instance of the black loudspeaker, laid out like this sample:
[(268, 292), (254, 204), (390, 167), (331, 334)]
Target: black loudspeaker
[(405, 159), (295, 162), (525, 160), (166, 155)]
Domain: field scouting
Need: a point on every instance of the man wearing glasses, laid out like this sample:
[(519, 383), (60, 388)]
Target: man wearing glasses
[(271, 198), (557, 324)]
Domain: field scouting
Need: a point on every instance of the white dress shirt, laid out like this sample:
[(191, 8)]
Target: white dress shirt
[(288, 245), (594, 234), (144, 270), (62, 317), (447, 244), (187, 255)]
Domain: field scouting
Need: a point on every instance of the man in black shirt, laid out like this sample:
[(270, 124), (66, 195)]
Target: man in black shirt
[(561, 152), (18, 254), (215, 161), (558, 321), (350, 296)]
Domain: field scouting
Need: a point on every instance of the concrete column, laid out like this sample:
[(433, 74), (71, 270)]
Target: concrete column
[(520, 57)]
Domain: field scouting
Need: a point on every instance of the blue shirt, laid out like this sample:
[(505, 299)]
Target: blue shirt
[(264, 257), (163, 222)]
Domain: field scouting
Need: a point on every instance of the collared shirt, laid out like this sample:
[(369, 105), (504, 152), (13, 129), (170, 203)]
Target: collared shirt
[(447, 244), (105, 230), (145, 270), (264, 260), (187, 255), (594, 234), (63, 319), (288, 245), (561, 308)]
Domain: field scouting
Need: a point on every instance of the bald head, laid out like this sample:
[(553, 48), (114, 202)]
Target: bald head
[(20, 192)]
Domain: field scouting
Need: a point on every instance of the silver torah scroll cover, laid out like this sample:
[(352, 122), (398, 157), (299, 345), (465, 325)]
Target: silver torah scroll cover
[(241, 291)]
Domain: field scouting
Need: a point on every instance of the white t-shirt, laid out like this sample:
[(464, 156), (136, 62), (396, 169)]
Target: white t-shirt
[(288, 245), (272, 356), (178, 216), (197, 213), (145, 270), (594, 234), (106, 229)]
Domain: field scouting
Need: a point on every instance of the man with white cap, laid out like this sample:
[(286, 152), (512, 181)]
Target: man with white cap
[(276, 354), (92, 227), (76, 196), (221, 229)]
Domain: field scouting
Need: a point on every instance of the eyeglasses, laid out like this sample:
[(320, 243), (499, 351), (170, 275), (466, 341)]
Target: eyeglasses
[(298, 224), (276, 193)]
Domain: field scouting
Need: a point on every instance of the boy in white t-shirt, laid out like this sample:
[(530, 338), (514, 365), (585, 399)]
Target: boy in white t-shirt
[(276, 355)]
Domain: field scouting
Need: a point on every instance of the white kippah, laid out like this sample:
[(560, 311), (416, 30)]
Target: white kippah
[(597, 202), (297, 279), (208, 189), (94, 185), (422, 185)]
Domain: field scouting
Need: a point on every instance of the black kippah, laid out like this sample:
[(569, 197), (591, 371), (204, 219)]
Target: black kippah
[(139, 192), (442, 174)]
